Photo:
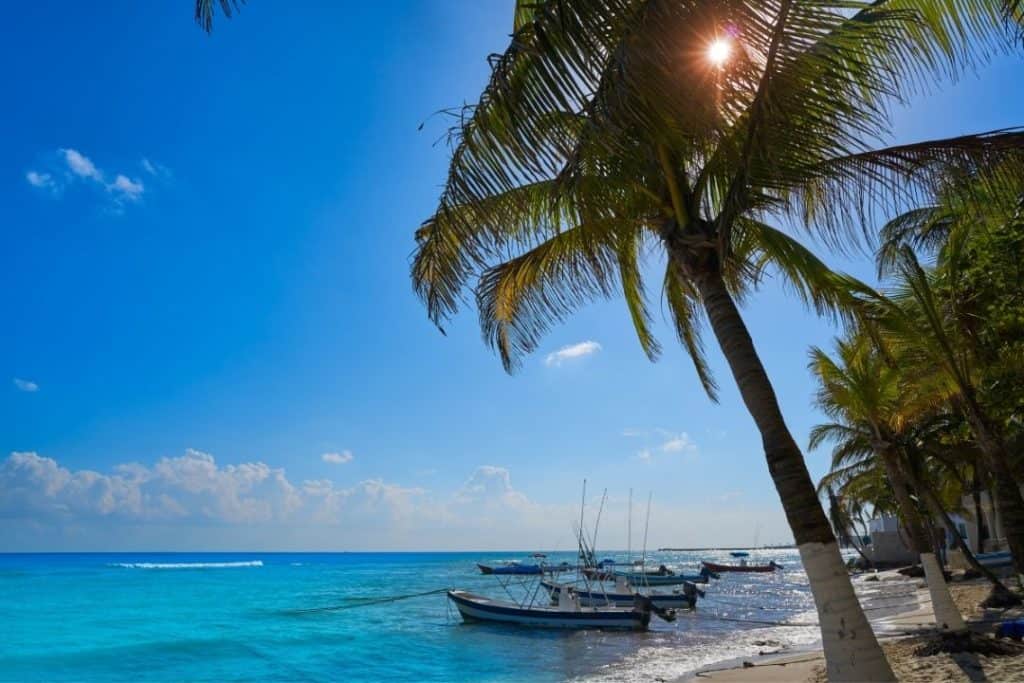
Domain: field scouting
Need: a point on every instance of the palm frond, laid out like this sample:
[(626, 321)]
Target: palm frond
[(847, 195), (819, 287), (682, 300), (923, 229), (832, 431), (205, 11), (633, 291), (519, 299)]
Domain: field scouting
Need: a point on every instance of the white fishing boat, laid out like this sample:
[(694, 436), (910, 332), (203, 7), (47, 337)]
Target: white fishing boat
[(622, 594), (569, 607), (569, 613)]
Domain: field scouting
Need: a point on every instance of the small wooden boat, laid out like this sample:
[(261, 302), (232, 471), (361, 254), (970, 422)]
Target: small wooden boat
[(569, 613), (622, 596), (995, 559), (760, 568), (666, 578), (510, 568), (521, 569)]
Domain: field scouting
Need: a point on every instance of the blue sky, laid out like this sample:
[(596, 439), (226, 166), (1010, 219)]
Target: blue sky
[(204, 244)]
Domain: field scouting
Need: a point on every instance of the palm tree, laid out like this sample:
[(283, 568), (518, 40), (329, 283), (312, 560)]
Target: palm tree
[(862, 394), (963, 305), (931, 339), (612, 129), (842, 517), (205, 10)]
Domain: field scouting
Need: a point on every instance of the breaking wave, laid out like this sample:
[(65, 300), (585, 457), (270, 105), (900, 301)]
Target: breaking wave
[(188, 565)]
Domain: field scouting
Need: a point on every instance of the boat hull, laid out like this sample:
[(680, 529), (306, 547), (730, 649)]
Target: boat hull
[(522, 569), (511, 569), (640, 579), (996, 559), (748, 568), (475, 608), (601, 598)]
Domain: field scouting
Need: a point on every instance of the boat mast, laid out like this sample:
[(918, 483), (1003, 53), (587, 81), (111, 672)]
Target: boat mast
[(629, 532), (593, 540), (583, 502), (646, 524)]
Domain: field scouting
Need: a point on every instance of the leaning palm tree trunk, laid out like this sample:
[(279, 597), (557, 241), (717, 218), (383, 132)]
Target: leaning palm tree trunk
[(979, 522), (1000, 593), (947, 616), (843, 527), (851, 649), (1008, 499)]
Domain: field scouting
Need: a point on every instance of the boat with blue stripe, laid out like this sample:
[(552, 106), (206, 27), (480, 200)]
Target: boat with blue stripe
[(568, 614), (664, 578), (622, 596)]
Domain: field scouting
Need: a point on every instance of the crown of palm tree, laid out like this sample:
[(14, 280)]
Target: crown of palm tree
[(964, 204), (606, 132)]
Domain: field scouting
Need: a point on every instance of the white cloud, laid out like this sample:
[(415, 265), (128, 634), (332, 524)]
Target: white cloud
[(679, 443), (25, 385), (193, 502), (489, 484), (565, 353), (667, 442), (337, 458), (81, 165), (155, 169), (71, 165), (189, 486), (40, 180), (127, 188)]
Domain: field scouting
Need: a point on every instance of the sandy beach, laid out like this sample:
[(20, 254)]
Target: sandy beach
[(809, 667)]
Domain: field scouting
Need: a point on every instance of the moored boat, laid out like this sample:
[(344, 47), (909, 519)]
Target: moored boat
[(522, 569), (510, 568), (995, 559), (757, 568), (569, 613), (622, 596), (663, 578)]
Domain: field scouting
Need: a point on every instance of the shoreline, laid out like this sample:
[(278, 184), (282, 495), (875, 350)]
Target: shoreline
[(799, 663), (896, 633)]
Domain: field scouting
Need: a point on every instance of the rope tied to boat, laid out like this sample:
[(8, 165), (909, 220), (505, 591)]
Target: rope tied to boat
[(367, 602)]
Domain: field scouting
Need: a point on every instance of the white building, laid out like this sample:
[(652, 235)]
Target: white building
[(889, 542)]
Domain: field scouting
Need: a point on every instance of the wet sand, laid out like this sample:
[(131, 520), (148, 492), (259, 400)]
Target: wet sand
[(809, 667)]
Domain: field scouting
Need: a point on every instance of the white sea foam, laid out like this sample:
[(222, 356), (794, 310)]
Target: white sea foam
[(188, 565)]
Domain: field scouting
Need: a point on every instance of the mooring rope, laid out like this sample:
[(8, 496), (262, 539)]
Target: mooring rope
[(367, 602)]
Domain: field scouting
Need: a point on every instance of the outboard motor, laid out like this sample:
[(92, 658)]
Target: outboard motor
[(642, 603), (707, 573), (691, 591)]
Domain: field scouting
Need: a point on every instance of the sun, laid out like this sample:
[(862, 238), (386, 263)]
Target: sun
[(719, 51)]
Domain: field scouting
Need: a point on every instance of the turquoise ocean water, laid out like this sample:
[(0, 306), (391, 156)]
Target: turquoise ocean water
[(239, 616)]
